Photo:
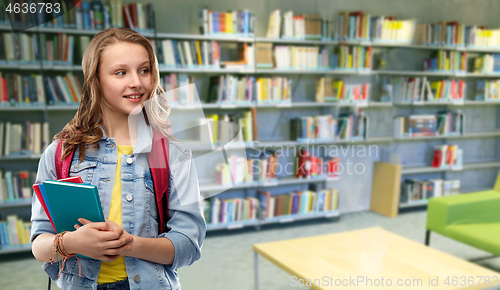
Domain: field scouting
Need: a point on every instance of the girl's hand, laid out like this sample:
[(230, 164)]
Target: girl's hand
[(95, 240)]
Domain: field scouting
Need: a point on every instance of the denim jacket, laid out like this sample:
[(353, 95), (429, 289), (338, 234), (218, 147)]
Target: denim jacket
[(185, 227)]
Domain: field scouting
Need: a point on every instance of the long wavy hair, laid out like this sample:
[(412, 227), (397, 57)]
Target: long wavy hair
[(83, 130)]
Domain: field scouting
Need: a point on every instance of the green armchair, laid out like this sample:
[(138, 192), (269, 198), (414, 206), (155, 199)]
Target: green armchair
[(472, 218)]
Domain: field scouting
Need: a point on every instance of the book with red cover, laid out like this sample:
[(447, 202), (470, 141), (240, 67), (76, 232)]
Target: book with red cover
[(39, 195)]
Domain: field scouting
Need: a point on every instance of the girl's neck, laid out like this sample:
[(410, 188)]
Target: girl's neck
[(119, 130)]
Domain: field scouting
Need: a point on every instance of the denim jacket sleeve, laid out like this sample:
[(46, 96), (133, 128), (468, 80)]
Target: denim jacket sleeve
[(46, 170), (186, 227)]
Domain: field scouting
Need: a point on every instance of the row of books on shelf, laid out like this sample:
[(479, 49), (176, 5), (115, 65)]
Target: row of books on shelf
[(298, 202), (265, 206), (14, 232), (445, 60), (488, 90), (87, 15), (453, 33), (328, 90), (344, 26), (413, 190), (15, 186), (190, 53), (348, 126), (263, 170), (445, 123), (313, 58), (355, 25), (51, 49), (421, 89), (33, 89), (245, 89), (249, 170), (309, 166), (232, 22), (358, 25), (447, 156), (225, 127), (23, 138), (487, 63)]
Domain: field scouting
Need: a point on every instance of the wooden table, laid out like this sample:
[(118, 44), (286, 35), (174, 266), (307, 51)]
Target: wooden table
[(371, 258)]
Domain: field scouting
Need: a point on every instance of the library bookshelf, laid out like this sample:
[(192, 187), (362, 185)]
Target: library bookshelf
[(253, 70)]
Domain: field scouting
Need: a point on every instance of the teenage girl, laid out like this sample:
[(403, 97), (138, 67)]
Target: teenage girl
[(120, 73)]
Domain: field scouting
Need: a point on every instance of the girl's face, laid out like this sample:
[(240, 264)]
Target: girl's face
[(125, 77)]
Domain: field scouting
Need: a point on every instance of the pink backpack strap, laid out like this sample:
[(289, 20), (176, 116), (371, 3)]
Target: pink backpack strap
[(158, 161), (62, 168)]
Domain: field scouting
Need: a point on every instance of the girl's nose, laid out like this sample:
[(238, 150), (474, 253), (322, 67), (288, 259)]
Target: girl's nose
[(135, 81)]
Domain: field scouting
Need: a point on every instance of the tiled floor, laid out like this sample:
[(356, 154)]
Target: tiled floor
[(227, 261)]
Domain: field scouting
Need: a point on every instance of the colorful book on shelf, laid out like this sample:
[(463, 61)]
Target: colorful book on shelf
[(42, 197)]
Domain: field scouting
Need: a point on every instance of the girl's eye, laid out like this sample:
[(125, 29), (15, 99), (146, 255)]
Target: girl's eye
[(120, 73), (145, 71)]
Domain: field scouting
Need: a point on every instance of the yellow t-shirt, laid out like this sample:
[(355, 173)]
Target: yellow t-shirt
[(115, 271)]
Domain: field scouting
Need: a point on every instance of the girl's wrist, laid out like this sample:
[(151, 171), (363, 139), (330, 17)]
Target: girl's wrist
[(67, 243)]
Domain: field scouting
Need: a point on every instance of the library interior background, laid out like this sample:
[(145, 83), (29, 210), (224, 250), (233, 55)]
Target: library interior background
[(338, 143)]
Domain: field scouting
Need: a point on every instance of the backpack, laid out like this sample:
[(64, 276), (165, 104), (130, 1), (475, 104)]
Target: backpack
[(158, 163)]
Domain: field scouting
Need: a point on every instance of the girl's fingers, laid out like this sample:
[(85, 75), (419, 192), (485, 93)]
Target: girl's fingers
[(84, 221)]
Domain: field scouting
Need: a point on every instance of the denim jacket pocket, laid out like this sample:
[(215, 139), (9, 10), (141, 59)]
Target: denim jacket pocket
[(83, 169)]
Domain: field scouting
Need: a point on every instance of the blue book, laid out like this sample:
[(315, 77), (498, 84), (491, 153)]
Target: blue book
[(246, 22), (49, 91), (70, 201), (10, 186), (86, 15), (4, 235), (215, 22), (44, 195)]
